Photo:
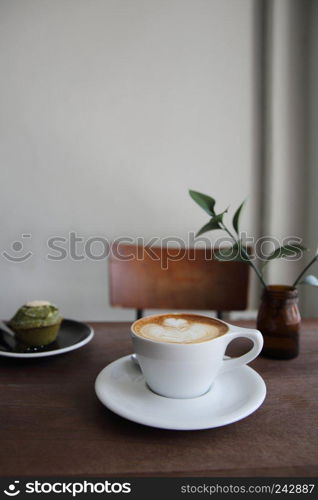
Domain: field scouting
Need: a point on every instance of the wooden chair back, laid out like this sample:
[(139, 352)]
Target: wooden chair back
[(174, 278)]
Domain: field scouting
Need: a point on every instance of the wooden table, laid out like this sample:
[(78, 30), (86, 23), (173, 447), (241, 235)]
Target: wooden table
[(51, 422)]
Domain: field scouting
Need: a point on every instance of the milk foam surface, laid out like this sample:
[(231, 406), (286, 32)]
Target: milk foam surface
[(180, 330)]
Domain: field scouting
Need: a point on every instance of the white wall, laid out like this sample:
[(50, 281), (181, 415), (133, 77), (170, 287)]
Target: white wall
[(110, 111)]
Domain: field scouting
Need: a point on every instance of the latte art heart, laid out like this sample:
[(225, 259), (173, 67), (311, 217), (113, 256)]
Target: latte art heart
[(183, 329), (176, 323)]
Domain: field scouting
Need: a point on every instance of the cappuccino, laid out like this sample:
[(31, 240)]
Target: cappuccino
[(179, 328)]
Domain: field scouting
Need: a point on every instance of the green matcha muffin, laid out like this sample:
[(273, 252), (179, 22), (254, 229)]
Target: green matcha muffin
[(37, 323)]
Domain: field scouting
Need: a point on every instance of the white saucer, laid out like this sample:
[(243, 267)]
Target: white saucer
[(235, 394)]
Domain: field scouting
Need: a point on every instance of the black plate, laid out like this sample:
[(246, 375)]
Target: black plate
[(72, 335)]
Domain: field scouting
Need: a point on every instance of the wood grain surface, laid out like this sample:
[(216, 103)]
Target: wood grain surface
[(51, 422), (176, 278)]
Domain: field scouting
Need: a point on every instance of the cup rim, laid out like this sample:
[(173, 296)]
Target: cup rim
[(228, 329)]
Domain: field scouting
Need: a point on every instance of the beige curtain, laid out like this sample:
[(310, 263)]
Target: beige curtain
[(289, 178)]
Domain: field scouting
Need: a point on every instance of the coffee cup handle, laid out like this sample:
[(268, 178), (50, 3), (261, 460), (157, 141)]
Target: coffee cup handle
[(255, 336)]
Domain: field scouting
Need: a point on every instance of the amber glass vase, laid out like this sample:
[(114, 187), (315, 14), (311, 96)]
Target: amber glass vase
[(279, 321)]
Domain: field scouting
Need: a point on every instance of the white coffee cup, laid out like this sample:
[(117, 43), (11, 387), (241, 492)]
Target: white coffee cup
[(188, 370)]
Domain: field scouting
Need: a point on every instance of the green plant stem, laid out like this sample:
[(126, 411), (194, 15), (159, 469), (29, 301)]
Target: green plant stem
[(304, 270), (247, 257)]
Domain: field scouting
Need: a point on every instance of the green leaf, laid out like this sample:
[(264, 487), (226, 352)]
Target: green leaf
[(234, 253), (310, 280), (226, 254), (214, 223), (236, 217), (286, 251), (204, 201), (210, 226)]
